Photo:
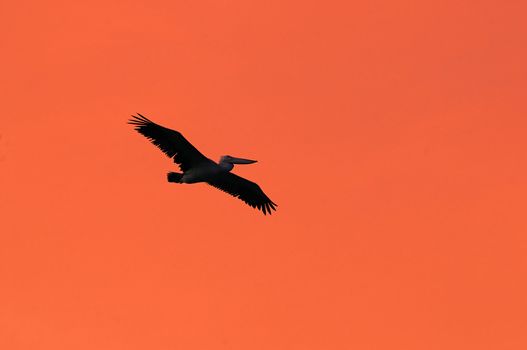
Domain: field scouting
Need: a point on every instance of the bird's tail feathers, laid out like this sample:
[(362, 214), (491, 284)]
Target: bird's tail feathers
[(174, 177)]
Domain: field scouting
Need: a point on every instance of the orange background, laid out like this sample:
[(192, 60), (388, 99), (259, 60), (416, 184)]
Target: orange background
[(392, 134)]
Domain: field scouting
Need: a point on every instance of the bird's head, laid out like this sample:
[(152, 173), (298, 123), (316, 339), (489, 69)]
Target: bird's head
[(227, 162), (234, 160)]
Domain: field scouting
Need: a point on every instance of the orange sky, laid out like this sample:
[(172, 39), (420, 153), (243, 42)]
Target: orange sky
[(390, 133)]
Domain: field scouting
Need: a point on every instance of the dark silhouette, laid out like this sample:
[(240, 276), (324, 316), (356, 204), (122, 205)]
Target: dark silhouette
[(196, 167)]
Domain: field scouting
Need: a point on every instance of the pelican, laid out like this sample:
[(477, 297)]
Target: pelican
[(196, 167)]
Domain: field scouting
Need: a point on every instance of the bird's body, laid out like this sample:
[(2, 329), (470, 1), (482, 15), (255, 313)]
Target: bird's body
[(198, 168), (201, 173)]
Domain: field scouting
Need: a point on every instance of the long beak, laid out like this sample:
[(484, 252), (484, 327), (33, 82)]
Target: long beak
[(241, 161)]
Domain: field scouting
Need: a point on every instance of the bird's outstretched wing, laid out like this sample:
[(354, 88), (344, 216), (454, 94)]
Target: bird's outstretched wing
[(247, 191), (171, 142)]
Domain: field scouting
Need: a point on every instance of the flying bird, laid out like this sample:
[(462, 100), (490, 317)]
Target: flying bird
[(196, 167)]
